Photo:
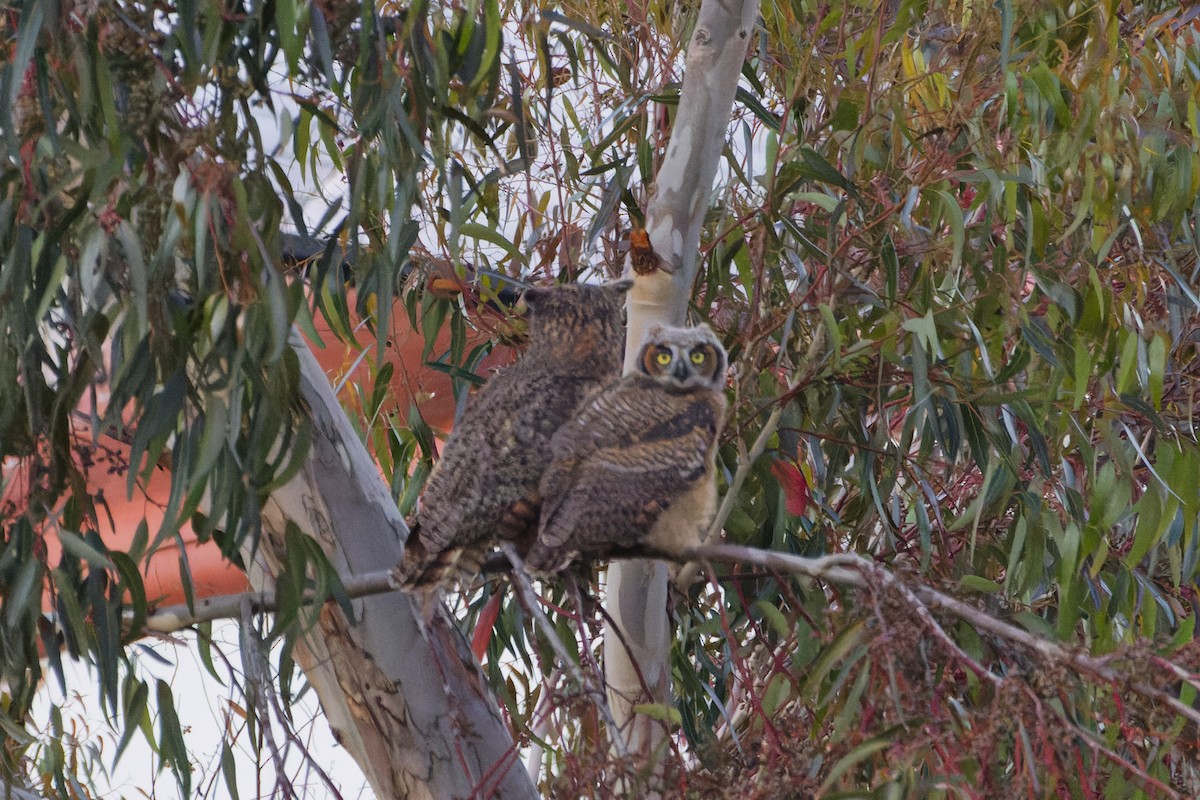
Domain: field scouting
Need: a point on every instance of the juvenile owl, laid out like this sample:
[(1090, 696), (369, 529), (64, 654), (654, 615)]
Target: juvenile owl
[(635, 465), (484, 488)]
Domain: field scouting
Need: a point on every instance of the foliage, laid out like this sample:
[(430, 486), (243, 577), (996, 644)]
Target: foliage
[(989, 215), (955, 249), (145, 315)]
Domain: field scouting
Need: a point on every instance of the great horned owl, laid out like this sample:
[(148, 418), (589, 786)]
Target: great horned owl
[(635, 465), (484, 488)]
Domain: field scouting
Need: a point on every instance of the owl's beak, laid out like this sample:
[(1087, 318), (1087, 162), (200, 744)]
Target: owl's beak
[(681, 370)]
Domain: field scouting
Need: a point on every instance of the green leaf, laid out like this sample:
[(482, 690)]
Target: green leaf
[(75, 545), (1154, 516), (823, 201), (1157, 357), (660, 712), (171, 746), (859, 754), (818, 167), (845, 642), (476, 231), (24, 593), (774, 617), (1050, 88), (133, 712), (1127, 371), (131, 582), (953, 215), (229, 769), (289, 42), (976, 583), (28, 30), (492, 29)]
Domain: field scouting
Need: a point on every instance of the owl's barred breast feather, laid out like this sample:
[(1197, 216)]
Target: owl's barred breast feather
[(635, 467)]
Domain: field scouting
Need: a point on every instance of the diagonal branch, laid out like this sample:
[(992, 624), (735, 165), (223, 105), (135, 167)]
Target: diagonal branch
[(853, 570)]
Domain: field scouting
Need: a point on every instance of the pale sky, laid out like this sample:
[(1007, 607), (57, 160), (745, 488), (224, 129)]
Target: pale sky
[(205, 709)]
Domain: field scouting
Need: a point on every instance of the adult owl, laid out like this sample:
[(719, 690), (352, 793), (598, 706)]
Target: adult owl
[(484, 488), (635, 465)]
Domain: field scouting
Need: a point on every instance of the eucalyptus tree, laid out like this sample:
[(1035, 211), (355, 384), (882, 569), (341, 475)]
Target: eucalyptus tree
[(952, 254)]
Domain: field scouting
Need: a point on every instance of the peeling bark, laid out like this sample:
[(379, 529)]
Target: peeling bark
[(406, 699), (636, 662)]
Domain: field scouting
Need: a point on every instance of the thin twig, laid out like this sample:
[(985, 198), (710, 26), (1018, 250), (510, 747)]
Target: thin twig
[(1178, 671), (852, 570), (289, 732), (541, 722), (520, 580), (743, 470), (922, 611), (258, 684)]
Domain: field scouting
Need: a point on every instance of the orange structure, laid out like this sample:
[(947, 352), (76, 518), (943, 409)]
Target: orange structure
[(412, 382)]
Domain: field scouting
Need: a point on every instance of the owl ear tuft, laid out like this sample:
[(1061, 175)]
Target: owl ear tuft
[(531, 298)]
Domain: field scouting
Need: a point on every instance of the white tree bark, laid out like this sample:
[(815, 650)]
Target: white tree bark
[(636, 658), (410, 706)]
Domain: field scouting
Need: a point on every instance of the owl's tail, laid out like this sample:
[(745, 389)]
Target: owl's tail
[(543, 561), (422, 570)]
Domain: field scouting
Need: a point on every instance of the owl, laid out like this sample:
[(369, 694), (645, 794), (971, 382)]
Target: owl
[(635, 465), (484, 488)]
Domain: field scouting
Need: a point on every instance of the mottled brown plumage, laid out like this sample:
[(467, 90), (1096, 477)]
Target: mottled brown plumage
[(635, 466), (484, 488)]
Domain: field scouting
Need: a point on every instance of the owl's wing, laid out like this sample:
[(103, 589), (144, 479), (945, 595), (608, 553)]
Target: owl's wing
[(485, 484), (630, 450)]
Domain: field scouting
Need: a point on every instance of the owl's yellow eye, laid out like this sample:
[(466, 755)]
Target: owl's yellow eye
[(698, 357), (663, 358)]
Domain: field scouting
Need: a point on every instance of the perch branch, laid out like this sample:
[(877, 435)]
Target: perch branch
[(520, 580), (170, 619), (844, 569)]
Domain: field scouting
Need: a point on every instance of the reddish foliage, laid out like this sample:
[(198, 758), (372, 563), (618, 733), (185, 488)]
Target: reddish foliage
[(794, 486)]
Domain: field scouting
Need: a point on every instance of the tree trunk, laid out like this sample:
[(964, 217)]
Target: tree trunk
[(636, 661), (409, 704)]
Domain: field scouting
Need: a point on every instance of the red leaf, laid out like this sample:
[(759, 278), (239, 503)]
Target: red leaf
[(793, 484), (483, 628)]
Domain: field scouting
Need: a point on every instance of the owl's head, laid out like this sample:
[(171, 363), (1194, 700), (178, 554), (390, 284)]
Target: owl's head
[(684, 357), (567, 310)]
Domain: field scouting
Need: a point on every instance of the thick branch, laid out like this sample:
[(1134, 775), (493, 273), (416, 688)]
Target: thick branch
[(636, 656), (853, 570), (400, 688), (227, 606)]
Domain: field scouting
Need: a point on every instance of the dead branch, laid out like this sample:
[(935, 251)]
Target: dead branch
[(853, 570)]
